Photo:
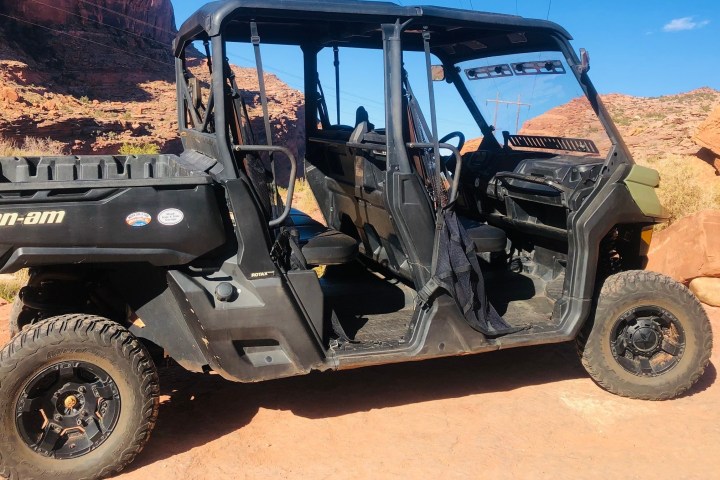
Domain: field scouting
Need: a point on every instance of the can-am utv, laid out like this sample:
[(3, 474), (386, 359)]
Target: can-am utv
[(536, 235)]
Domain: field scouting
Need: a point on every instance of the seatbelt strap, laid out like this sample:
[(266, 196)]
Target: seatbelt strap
[(255, 39), (440, 188), (336, 63), (427, 293)]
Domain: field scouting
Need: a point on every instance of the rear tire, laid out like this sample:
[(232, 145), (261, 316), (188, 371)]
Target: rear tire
[(650, 339), (99, 387)]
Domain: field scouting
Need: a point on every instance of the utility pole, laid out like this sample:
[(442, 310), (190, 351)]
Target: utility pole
[(519, 104)]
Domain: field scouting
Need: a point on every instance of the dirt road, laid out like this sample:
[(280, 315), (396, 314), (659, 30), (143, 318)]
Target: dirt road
[(526, 413)]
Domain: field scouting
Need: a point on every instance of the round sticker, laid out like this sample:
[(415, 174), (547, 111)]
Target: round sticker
[(138, 219), (170, 216)]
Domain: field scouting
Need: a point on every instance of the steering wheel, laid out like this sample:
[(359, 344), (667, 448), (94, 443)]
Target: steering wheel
[(449, 160)]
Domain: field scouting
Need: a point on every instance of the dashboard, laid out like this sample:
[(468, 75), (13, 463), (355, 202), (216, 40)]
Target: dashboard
[(532, 191)]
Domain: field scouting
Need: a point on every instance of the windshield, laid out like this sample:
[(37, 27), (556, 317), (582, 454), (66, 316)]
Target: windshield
[(536, 95)]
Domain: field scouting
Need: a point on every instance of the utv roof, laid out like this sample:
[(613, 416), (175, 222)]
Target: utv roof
[(356, 23)]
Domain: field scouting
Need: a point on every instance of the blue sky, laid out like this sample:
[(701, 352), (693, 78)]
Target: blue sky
[(637, 47)]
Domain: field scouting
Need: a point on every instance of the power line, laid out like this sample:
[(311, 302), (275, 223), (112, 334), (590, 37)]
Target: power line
[(85, 39), (548, 12)]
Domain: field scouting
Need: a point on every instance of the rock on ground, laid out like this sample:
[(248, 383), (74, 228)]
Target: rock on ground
[(708, 133), (689, 248), (707, 290), (522, 413)]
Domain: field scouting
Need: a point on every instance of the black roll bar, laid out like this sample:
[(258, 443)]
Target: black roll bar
[(293, 174)]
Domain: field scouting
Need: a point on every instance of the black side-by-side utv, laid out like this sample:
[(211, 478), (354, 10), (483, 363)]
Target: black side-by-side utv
[(430, 248)]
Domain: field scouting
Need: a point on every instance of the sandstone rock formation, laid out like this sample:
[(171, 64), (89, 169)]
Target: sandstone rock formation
[(707, 290), (708, 138), (651, 127), (688, 249)]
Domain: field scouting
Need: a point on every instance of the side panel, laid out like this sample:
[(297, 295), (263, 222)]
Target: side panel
[(259, 335)]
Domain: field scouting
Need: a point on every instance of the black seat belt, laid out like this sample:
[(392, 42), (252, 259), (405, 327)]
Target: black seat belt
[(255, 39)]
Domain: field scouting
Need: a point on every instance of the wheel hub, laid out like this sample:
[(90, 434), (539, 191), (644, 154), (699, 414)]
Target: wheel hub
[(644, 337), (647, 341), (70, 402), (68, 410)]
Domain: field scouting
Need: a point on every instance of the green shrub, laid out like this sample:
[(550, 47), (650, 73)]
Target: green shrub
[(139, 149), (10, 285)]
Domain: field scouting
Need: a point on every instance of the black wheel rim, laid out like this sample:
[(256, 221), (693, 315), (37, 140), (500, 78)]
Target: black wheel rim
[(647, 341), (68, 410)]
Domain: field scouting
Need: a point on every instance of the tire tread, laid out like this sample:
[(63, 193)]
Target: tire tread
[(615, 288), (94, 329)]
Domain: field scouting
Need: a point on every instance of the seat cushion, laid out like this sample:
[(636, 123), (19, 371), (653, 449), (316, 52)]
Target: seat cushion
[(486, 237), (321, 245), (330, 248)]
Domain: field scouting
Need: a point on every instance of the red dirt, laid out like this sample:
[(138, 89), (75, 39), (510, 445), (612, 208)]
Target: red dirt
[(525, 413)]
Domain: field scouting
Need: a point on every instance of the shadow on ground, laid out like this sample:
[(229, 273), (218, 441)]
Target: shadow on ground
[(204, 408)]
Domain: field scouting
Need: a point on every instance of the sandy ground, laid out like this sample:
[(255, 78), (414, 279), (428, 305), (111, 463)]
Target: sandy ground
[(525, 413)]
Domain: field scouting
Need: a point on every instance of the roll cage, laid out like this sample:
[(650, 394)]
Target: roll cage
[(455, 36)]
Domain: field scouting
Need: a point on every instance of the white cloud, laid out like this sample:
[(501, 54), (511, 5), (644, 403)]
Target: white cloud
[(684, 23)]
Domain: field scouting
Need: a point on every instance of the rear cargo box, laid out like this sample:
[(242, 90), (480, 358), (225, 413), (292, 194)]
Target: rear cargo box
[(150, 208)]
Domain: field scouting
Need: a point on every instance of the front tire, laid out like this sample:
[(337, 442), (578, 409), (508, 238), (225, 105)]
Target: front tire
[(78, 399), (650, 339)]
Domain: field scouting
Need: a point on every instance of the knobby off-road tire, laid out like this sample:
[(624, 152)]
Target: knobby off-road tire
[(121, 390), (635, 311)]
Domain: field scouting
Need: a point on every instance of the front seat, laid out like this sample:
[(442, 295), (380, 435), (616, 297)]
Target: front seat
[(486, 237)]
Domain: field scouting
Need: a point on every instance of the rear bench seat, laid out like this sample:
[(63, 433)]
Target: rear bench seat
[(321, 245)]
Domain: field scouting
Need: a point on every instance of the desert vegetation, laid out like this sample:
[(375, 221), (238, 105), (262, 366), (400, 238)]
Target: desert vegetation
[(11, 284), (139, 149), (30, 147), (686, 186)]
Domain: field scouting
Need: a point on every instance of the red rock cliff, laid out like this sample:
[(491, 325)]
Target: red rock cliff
[(151, 19)]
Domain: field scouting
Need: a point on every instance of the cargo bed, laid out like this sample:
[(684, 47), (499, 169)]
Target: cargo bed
[(96, 171)]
